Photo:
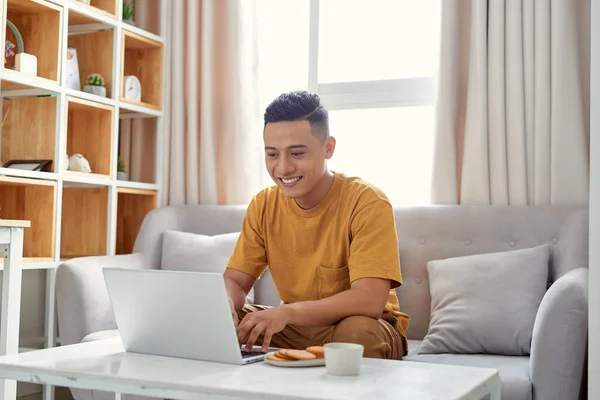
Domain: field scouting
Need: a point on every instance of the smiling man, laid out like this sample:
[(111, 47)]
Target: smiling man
[(329, 241)]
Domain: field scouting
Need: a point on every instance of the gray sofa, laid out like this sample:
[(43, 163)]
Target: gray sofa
[(555, 368)]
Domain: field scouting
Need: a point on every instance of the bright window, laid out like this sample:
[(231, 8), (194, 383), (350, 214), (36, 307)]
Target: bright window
[(374, 64)]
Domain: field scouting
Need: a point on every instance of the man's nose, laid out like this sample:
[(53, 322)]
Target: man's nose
[(285, 166)]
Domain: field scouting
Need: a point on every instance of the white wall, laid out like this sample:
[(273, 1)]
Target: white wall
[(594, 285)]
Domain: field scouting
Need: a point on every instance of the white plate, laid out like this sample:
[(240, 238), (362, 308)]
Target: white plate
[(317, 362)]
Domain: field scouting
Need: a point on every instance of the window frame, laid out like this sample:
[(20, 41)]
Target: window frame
[(404, 92)]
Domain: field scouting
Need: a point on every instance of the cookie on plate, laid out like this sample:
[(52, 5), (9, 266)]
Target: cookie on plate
[(296, 354), (275, 357), (281, 355), (318, 351)]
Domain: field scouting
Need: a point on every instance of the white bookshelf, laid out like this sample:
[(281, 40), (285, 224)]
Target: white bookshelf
[(77, 214)]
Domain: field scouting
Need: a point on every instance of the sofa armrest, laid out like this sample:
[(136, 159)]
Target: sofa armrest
[(82, 301), (559, 346)]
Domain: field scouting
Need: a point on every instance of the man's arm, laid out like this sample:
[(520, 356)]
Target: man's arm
[(249, 258), (367, 296), (238, 285)]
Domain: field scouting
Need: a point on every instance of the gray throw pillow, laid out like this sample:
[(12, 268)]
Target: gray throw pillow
[(486, 303), (184, 251)]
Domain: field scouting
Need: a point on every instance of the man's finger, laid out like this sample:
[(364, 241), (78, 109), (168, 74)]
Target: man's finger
[(267, 340), (258, 329), (243, 329)]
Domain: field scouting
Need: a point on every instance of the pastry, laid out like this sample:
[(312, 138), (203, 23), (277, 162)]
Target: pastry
[(297, 354), (318, 351)]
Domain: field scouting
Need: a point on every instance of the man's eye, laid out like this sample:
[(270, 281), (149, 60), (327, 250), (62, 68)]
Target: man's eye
[(297, 153), (271, 155)]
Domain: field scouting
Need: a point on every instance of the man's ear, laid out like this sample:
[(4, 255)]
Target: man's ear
[(329, 147)]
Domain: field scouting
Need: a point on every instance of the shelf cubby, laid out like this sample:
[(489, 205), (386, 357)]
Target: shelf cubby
[(94, 55), (146, 15), (132, 207), (29, 130), (143, 58), (84, 220), (33, 200), (104, 7), (39, 23), (137, 146), (90, 133)]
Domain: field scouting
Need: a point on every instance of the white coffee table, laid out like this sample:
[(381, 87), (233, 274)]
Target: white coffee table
[(103, 365)]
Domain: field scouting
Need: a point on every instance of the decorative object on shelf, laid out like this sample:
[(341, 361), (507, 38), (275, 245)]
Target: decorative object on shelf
[(65, 161), (128, 11), (23, 62), (9, 49), (28, 165), (79, 163), (121, 173), (87, 2), (72, 66), (95, 85), (132, 88)]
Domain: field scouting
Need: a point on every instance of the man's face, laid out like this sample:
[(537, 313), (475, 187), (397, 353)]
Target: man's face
[(295, 157)]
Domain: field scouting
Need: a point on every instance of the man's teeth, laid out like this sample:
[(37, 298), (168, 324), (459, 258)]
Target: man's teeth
[(292, 180)]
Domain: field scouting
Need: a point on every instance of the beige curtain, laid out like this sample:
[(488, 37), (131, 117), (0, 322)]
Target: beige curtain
[(512, 122), (213, 134)]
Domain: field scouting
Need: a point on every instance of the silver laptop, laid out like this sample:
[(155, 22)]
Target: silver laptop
[(175, 314)]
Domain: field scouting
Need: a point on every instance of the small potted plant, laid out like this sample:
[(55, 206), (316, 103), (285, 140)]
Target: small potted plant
[(128, 11), (95, 85), (121, 175)]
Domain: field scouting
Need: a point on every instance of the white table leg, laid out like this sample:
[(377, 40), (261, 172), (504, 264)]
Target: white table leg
[(48, 391), (495, 389), (11, 305)]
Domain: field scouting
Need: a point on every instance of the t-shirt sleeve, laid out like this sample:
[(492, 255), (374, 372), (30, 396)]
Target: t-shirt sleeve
[(249, 254), (374, 245)]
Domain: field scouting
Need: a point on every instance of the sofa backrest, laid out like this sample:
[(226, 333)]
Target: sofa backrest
[(424, 233)]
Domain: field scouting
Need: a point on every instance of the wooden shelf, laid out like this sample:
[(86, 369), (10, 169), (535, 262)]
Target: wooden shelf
[(102, 7), (39, 23), (84, 221), (95, 56), (33, 200), (72, 213), (29, 129), (90, 133), (132, 207), (143, 58)]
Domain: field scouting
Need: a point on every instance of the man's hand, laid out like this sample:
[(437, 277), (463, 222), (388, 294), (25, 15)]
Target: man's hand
[(234, 315), (267, 323)]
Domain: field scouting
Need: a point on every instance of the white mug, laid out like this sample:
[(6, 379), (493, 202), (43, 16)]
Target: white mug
[(343, 359)]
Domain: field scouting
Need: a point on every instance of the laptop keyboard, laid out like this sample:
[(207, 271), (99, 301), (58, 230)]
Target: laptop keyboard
[(252, 354)]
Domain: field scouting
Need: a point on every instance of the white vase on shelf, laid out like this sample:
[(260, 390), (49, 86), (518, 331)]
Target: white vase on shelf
[(97, 90)]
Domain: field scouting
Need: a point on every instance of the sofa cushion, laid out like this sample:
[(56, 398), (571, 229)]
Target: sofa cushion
[(102, 335), (183, 251), (486, 303), (514, 370)]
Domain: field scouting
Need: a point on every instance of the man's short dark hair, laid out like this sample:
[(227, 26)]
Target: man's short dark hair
[(300, 106)]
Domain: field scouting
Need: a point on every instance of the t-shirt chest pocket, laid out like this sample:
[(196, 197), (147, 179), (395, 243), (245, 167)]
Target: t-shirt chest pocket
[(331, 281)]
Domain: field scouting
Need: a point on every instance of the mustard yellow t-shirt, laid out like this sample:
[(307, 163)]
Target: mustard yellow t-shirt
[(317, 253)]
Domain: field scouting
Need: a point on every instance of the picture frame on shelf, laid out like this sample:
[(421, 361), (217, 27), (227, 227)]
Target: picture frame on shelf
[(28, 165)]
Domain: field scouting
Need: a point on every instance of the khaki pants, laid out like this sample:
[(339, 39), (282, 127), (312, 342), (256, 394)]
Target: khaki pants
[(380, 338)]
